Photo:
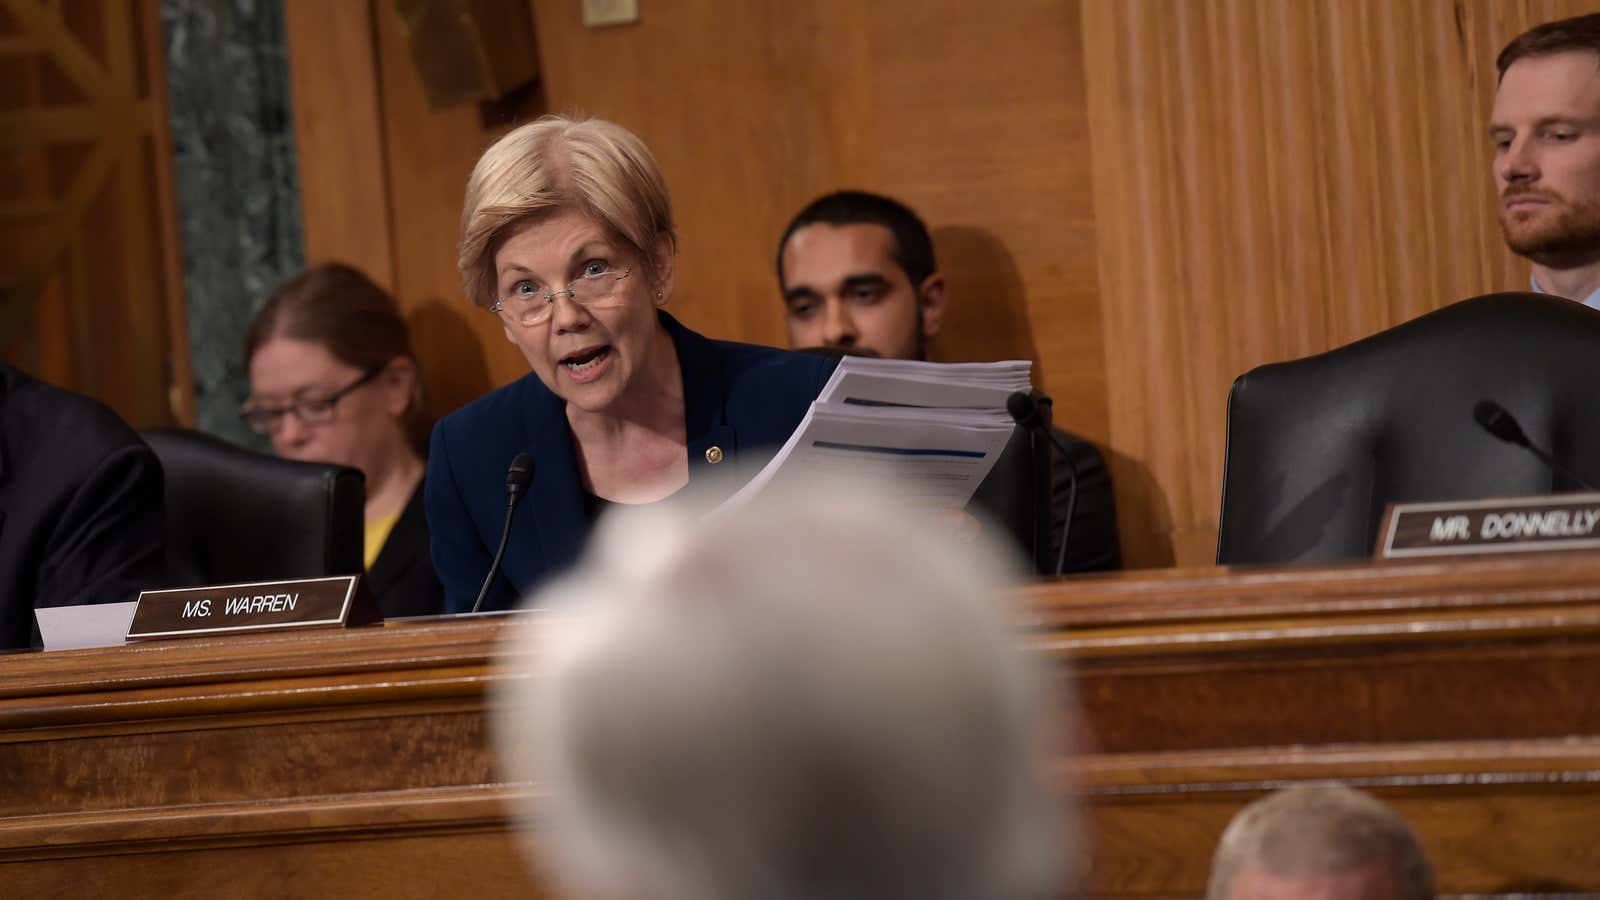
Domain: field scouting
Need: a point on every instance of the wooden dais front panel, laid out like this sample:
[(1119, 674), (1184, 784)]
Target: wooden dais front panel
[(356, 762)]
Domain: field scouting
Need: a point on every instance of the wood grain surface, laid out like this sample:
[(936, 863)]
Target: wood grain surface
[(91, 291), (1145, 198), (1514, 816), (1460, 693), (752, 110), (1273, 179)]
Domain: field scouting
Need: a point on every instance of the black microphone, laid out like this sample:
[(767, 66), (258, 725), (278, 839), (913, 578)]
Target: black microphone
[(517, 478), (1032, 410), (1498, 421)]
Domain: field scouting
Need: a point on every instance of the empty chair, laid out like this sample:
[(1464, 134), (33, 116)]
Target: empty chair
[(235, 515), (1317, 447)]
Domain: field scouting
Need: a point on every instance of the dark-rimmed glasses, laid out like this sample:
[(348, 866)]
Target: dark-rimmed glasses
[(535, 308), (310, 411)]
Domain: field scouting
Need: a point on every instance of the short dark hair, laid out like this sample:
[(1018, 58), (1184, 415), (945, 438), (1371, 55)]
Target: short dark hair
[(1562, 36), (913, 248), (339, 307)]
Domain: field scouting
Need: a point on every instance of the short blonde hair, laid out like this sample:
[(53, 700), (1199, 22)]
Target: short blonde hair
[(554, 163), (1320, 830)]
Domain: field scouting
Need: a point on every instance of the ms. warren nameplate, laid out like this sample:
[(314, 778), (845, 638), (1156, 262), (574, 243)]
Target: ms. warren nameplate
[(1502, 525), (258, 606)]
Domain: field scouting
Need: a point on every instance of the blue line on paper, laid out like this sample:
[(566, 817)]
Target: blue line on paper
[(896, 451)]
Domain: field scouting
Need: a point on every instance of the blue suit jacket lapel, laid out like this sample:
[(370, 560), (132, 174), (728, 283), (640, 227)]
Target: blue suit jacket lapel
[(557, 525), (705, 422)]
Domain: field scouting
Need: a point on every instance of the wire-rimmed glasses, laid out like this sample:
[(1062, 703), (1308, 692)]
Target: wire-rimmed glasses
[(535, 308)]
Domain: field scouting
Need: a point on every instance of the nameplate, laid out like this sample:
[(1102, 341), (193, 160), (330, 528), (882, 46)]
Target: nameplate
[(1501, 525), (258, 606)]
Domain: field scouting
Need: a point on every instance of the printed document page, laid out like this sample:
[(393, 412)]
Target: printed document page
[(929, 431)]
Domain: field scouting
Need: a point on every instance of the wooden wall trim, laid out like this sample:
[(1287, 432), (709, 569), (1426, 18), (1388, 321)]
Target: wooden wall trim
[(449, 643), (180, 374), (204, 826), (339, 136), (1522, 595), (1443, 763), (88, 143), (1461, 597)]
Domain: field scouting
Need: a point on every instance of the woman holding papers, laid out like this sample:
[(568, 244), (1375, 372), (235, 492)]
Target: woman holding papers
[(567, 237)]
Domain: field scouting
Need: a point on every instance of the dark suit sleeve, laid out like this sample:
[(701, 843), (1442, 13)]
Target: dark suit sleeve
[(106, 545), (1093, 546), (459, 557)]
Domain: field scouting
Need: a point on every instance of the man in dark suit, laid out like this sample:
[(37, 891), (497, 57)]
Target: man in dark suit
[(858, 276), (80, 505)]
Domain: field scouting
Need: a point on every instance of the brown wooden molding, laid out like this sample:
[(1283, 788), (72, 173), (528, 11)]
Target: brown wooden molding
[(344, 759), (391, 814), (1396, 601), (386, 648), (1569, 760)]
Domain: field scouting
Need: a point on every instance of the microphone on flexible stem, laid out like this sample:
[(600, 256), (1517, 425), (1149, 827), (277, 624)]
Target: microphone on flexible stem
[(1031, 410), (1498, 421), (517, 478)]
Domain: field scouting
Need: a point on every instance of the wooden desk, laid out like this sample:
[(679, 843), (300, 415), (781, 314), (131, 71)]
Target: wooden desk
[(355, 763), (1439, 651)]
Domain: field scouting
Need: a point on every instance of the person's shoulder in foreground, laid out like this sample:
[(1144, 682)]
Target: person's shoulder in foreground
[(80, 504), (756, 706)]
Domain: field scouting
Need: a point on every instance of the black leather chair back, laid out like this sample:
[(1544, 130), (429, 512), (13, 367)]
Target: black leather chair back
[(236, 515), (1318, 446), (1015, 497)]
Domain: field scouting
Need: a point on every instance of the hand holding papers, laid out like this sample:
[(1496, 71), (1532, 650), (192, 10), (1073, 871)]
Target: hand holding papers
[(932, 431)]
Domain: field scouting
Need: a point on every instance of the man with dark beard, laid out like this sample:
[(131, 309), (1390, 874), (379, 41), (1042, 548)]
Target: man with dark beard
[(1546, 132), (858, 276)]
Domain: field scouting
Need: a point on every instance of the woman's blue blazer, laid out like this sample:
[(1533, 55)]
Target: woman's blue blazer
[(743, 399)]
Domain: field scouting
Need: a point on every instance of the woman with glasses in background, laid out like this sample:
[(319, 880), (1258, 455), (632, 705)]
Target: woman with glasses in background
[(567, 237), (333, 380)]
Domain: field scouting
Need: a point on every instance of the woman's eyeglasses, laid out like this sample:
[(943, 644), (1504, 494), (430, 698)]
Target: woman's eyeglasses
[(310, 411), (535, 308)]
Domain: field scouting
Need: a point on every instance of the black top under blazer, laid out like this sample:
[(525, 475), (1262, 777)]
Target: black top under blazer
[(402, 576)]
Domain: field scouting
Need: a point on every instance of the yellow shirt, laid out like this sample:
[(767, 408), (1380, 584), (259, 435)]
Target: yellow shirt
[(377, 532)]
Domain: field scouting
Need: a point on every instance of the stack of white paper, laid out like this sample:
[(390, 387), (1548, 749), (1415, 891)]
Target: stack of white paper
[(928, 431)]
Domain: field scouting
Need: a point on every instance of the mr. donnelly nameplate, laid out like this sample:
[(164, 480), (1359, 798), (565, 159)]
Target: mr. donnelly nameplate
[(1502, 525), (262, 605)]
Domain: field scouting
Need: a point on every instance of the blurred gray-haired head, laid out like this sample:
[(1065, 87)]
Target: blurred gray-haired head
[(1320, 840), (810, 697)]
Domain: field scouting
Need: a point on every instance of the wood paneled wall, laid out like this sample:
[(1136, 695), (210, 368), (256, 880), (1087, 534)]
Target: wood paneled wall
[(1273, 179), (1145, 197), (90, 271)]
